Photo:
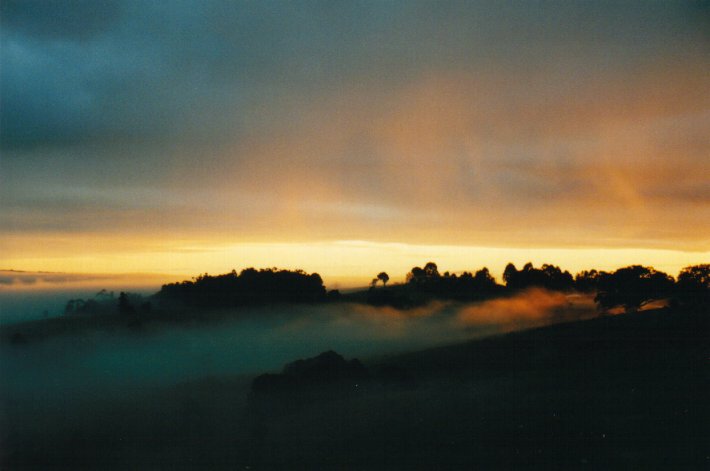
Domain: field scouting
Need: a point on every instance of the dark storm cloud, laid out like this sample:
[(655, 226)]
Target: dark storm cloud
[(113, 71), (80, 71), (60, 19)]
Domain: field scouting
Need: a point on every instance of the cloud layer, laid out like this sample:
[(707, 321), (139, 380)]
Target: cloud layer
[(548, 124), (13, 280)]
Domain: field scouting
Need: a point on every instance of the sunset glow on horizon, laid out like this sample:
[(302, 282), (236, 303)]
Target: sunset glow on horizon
[(351, 138), (342, 264)]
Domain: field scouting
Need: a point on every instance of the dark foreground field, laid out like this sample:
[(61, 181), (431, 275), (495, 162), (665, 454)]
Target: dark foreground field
[(625, 392)]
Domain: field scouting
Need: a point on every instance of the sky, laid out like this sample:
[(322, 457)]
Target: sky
[(348, 137)]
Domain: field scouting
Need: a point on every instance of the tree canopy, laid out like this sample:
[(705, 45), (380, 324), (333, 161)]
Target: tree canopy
[(693, 286), (632, 287), (384, 277), (547, 276), (465, 287), (248, 287)]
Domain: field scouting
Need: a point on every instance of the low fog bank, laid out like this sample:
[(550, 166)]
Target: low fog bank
[(76, 383), (533, 307), (27, 295), (102, 363), (42, 303)]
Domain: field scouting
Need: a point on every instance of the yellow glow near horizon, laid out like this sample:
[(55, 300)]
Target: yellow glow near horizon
[(584, 149), (344, 264)]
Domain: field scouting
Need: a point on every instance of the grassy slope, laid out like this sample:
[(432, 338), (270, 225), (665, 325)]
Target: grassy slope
[(626, 392)]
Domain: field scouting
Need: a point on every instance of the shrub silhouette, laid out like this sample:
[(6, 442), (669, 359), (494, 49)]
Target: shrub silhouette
[(326, 368)]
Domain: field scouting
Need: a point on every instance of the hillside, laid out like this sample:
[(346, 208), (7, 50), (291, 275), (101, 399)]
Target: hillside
[(622, 392), (626, 391)]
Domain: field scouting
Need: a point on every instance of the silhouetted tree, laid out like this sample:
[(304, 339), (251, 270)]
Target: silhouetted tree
[(73, 306), (124, 305), (548, 276), (466, 287), (99, 304), (423, 276), (484, 280), (693, 286), (249, 286), (586, 281), (632, 287), (510, 275), (431, 270), (556, 279), (104, 295), (415, 275), (384, 277)]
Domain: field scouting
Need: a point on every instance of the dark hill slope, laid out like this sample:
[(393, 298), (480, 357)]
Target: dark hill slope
[(624, 392), (653, 340)]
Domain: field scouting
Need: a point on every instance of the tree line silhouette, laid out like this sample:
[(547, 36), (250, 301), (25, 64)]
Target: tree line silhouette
[(106, 302), (250, 286), (628, 288)]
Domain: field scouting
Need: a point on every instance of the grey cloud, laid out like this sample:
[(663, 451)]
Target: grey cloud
[(694, 193), (115, 71), (12, 277), (60, 19), (19, 279), (6, 280), (164, 99), (158, 70)]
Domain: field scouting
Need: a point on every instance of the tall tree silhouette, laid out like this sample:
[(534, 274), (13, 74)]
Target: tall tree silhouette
[(384, 277)]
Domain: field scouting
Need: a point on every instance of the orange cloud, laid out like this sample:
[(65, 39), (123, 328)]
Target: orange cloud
[(460, 162), (481, 156)]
